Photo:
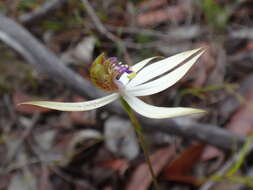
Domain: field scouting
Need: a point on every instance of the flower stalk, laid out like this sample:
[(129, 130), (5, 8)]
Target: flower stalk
[(141, 138)]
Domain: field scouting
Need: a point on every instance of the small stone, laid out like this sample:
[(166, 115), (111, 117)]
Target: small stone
[(120, 138)]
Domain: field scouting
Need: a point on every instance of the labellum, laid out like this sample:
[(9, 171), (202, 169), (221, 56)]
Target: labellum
[(104, 73)]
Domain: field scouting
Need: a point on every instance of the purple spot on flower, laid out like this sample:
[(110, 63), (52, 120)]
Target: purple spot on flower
[(113, 60), (128, 71), (118, 67), (122, 69)]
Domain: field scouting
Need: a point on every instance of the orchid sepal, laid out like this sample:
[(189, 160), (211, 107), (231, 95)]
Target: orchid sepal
[(75, 106)]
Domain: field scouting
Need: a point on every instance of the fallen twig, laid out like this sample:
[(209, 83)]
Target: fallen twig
[(235, 158), (44, 60), (102, 30), (210, 134), (41, 12), (174, 34), (233, 101), (245, 33)]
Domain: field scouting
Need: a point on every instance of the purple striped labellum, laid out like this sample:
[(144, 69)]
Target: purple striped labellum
[(105, 73)]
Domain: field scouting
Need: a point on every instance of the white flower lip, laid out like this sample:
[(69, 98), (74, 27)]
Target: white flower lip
[(150, 79)]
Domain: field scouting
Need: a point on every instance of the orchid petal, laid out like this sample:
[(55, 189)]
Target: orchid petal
[(124, 79), (138, 66), (77, 106), (155, 112), (163, 82), (160, 67)]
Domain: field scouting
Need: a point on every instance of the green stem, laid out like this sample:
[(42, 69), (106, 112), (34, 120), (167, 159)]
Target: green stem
[(138, 130)]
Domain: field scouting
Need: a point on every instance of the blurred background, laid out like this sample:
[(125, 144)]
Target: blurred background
[(46, 49)]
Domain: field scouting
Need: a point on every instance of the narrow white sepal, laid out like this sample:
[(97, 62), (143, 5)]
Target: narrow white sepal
[(138, 66), (155, 112), (160, 67), (163, 82), (77, 106)]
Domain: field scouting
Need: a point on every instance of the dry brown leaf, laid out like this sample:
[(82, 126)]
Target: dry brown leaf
[(82, 118), (152, 4), (141, 178), (67, 118), (203, 70), (19, 97), (179, 169), (241, 123), (117, 164), (173, 13), (249, 46), (211, 152), (108, 188)]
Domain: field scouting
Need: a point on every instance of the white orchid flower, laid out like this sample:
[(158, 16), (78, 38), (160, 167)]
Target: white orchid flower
[(142, 79)]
